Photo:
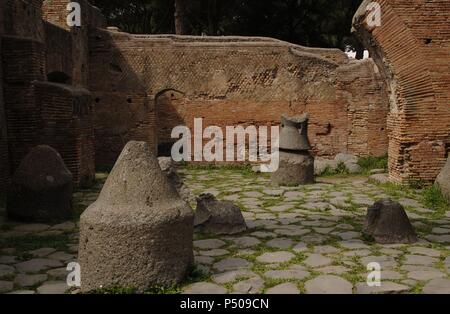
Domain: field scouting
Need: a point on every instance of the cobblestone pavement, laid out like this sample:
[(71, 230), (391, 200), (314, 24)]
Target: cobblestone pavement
[(300, 240)]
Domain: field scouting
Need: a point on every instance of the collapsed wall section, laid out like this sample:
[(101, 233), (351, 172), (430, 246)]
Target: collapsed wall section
[(412, 49), (230, 81)]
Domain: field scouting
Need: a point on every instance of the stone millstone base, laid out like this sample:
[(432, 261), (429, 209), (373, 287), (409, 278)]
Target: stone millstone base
[(295, 169), (134, 254), (138, 234), (52, 205), (387, 223)]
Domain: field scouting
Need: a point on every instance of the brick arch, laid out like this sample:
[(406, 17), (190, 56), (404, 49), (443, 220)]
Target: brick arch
[(413, 56)]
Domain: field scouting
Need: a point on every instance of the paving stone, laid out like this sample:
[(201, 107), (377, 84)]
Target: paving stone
[(275, 257), (359, 253), (328, 284), (6, 286), (209, 244), (387, 287), (232, 276), (249, 286), (42, 252), (439, 238), (300, 247), (37, 265), (6, 259), (253, 194), (66, 226), (420, 260), (392, 252), (440, 231), (437, 286), (391, 275), (273, 192), (424, 251), (214, 253), (245, 242), (326, 249), (354, 245), (297, 274), (348, 235), (25, 281), (32, 228), (384, 261), (58, 273), (411, 268), (204, 260), (23, 292), (317, 260), (285, 288), (204, 288), (334, 270), (281, 208), (61, 256), (263, 234), (425, 275), (6, 271), (232, 264), (280, 243), (314, 238), (292, 232)]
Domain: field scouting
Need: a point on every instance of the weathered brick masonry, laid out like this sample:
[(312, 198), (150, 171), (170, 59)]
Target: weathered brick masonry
[(227, 81), (59, 114), (88, 90), (412, 50)]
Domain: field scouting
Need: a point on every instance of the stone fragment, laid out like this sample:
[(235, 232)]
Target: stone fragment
[(168, 167), (443, 180), (387, 223), (41, 188), (218, 217), (139, 231)]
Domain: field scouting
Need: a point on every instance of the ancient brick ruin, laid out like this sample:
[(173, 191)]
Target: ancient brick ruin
[(87, 91), (412, 50)]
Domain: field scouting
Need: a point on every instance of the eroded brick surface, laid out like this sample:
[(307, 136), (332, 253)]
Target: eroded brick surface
[(411, 48)]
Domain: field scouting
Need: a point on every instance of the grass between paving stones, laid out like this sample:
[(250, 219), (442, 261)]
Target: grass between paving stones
[(195, 274), (32, 242), (430, 197)]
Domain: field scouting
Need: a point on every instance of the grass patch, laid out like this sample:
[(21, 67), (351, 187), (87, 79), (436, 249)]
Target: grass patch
[(33, 242), (435, 200), (371, 163)]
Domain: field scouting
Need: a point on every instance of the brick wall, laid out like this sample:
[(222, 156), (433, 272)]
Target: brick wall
[(66, 124), (412, 50), (4, 175), (38, 112), (230, 81)]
